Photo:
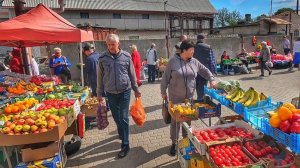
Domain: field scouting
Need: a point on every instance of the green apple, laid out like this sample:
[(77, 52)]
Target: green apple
[(18, 128), (26, 128), (62, 112), (38, 122)]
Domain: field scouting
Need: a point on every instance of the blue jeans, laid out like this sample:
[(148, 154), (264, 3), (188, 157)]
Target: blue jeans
[(151, 73), (119, 106), (200, 83), (93, 86)]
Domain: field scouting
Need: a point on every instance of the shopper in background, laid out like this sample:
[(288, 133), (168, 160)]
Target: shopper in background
[(296, 54), (179, 79), (136, 59), (91, 66), (16, 62), (176, 49), (116, 75), (34, 67), (286, 45), (8, 58), (264, 57), (61, 65), (204, 54), (151, 56)]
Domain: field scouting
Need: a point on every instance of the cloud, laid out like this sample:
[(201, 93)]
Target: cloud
[(277, 4), (236, 2)]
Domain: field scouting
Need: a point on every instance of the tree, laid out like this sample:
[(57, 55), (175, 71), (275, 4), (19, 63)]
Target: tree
[(227, 18), (261, 16), (283, 10)]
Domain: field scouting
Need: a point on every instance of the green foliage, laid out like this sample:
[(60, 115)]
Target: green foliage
[(283, 10), (227, 18)]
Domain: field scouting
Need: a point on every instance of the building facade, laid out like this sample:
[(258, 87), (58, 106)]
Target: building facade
[(135, 19)]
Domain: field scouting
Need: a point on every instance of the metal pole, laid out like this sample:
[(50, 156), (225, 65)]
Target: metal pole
[(297, 6), (166, 29), (81, 66)]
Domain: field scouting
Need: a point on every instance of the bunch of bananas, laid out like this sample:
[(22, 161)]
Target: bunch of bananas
[(249, 98), (27, 86)]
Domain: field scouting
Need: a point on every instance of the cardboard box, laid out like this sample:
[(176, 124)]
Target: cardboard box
[(198, 161), (53, 135), (89, 110), (34, 152), (55, 162), (201, 148)]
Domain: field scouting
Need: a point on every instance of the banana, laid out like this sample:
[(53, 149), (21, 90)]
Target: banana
[(232, 94), (246, 96), (256, 98), (22, 82), (250, 99), (239, 96), (263, 97)]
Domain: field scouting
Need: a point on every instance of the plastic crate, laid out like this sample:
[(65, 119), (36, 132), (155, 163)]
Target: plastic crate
[(215, 111), (240, 108), (291, 140), (255, 116)]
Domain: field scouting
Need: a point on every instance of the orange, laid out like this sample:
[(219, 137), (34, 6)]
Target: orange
[(22, 107), (7, 110), (15, 109), (27, 105), (284, 113), (296, 111), (275, 121), (289, 106)]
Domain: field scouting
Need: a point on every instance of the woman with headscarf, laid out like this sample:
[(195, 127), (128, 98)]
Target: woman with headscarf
[(16, 62), (136, 59), (264, 57)]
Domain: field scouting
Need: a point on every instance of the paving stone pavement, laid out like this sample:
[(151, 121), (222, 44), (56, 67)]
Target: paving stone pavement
[(150, 144)]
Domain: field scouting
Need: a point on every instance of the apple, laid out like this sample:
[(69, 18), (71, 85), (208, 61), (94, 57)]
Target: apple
[(44, 124), (7, 123), (46, 115), (16, 117), (285, 126), (11, 133), (296, 117), (12, 126), (29, 121), (38, 122), (62, 112), (51, 124), (33, 128), (18, 128), (21, 122), (6, 130), (31, 113), (36, 132), (26, 128), (59, 121), (63, 118), (43, 130), (52, 116)]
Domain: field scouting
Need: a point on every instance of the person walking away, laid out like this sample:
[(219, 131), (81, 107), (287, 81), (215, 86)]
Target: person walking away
[(61, 65), (179, 79), (151, 57), (91, 66), (8, 58), (286, 45), (34, 67), (176, 49), (204, 54), (136, 59), (296, 55), (116, 75), (264, 57), (16, 62)]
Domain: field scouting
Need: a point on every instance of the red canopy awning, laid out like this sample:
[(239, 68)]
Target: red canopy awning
[(40, 26)]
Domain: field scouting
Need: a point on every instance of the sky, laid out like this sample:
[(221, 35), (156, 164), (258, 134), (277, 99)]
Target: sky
[(254, 7)]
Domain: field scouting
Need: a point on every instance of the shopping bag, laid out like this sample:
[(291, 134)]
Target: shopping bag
[(101, 117), (137, 112), (165, 112), (269, 64)]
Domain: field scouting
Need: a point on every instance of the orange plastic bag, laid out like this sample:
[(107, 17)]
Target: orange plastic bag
[(137, 112)]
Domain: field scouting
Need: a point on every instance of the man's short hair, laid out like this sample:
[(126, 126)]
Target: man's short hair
[(56, 49), (200, 36), (153, 45), (88, 46), (112, 37)]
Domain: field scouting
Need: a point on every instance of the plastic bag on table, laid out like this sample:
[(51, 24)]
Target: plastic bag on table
[(101, 118), (137, 112)]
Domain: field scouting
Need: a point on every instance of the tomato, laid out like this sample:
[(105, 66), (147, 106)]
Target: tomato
[(218, 161), (212, 153)]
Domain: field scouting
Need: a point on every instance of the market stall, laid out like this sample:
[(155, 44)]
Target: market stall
[(37, 111), (262, 134)]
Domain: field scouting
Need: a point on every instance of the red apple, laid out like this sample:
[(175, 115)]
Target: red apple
[(7, 123), (285, 126), (21, 122), (33, 128), (43, 130), (6, 130), (295, 127), (296, 117), (29, 121)]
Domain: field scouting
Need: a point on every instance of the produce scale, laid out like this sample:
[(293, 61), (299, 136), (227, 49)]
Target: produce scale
[(36, 114), (263, 134)]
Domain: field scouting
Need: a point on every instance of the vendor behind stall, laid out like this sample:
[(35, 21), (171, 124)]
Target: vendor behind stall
[(224, 57), (61, 65), (243, 57), (16, 62), (179, 79)]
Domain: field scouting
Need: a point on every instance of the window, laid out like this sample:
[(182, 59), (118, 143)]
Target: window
[(145, 16), (134, 37), (116, 15), (84, 15), (296, 34)]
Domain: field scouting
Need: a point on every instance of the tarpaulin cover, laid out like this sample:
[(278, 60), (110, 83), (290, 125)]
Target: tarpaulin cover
[(40, 26)]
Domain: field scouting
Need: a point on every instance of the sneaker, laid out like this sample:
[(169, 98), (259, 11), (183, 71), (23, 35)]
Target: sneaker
[(270, 72), (124, 151), (173, 150), (261, 75)]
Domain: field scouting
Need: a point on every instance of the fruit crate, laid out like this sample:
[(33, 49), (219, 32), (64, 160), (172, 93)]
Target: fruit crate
[(201, 147), (255, 116), (291, 140), (239, 108), (282, 152), (204, 112), (213, 93)]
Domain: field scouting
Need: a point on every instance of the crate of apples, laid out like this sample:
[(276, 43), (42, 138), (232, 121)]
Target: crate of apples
[(31, 122), (229, 155), (271, 151)]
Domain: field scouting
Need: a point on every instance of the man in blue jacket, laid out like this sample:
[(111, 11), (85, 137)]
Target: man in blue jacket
[(116, 75), (91, 66)]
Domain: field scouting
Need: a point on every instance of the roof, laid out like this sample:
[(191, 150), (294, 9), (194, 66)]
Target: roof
[(185, 6), (277, 21)]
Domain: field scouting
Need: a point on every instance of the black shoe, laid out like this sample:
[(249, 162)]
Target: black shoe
[(270, 72), (124, 151), (261, 75), (173, 150)]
